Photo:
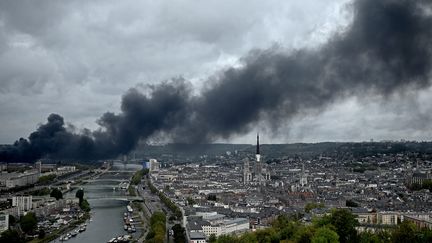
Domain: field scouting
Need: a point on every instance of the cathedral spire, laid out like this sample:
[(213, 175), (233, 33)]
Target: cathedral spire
[(257, 155), (257, 145)]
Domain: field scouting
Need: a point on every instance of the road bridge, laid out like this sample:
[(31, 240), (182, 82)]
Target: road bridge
[(105, 180), (120, 171), (111, 197), (118, 198)]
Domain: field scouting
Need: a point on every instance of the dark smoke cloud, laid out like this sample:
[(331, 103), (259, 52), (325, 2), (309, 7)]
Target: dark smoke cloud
[(387, 49), (141, 116)]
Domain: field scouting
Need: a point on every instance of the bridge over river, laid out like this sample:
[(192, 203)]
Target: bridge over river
[(106, 180), (107, 202), (112, 197)]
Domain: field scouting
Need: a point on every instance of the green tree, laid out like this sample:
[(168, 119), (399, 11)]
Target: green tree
[(190, 201), (41, 234), (212, 238), (157, 227), (325, 235), (312, 205), (56, 193), (426, 235), (179, 234), (369, 237), (157, 217), (46, 178), (344, 222), (136, 178), (248, 238), (267, 235), (226, 239), (12, 220), (80, 195), (11, 236), (427, 184), (281, 222), (85, 206), (28, 222), (288, 231), (304, 234), (405, 232)]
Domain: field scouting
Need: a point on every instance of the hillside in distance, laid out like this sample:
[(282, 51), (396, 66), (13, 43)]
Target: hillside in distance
[(269, 151)]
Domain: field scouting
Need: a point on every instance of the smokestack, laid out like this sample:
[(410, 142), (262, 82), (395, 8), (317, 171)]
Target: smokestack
[(387, 49)]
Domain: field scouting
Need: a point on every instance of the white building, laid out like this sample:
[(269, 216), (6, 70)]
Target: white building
[(22, 204), (228, 226), (22, 179), (154, 165), (38, 166), (4, 222), (66, 169)]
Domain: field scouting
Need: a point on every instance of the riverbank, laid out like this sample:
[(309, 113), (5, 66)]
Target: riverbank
[(57, 233)]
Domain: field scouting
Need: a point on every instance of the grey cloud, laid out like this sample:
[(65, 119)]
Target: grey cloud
[(385, 51)]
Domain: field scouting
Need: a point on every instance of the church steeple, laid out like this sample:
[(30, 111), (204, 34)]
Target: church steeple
[(257, 145), (257, 155)]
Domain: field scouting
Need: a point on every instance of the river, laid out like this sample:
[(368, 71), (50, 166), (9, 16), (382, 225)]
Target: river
[(106, 214)]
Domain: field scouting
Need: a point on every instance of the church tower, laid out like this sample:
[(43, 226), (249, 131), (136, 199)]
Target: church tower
[(258, 165), (247, 173)]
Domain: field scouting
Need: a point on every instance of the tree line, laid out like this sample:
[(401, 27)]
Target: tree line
[(170, 204), (339, 226), (157, 228)]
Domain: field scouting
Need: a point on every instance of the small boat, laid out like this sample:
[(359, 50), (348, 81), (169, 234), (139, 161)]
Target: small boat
[(82, 228), (64, 238), (121, 239), (74, 233), (125, 227)]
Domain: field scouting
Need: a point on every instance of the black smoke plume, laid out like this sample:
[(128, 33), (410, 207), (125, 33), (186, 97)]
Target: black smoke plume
[(387, 49)]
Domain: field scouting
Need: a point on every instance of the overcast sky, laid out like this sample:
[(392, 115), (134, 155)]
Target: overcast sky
[(77, 58)]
